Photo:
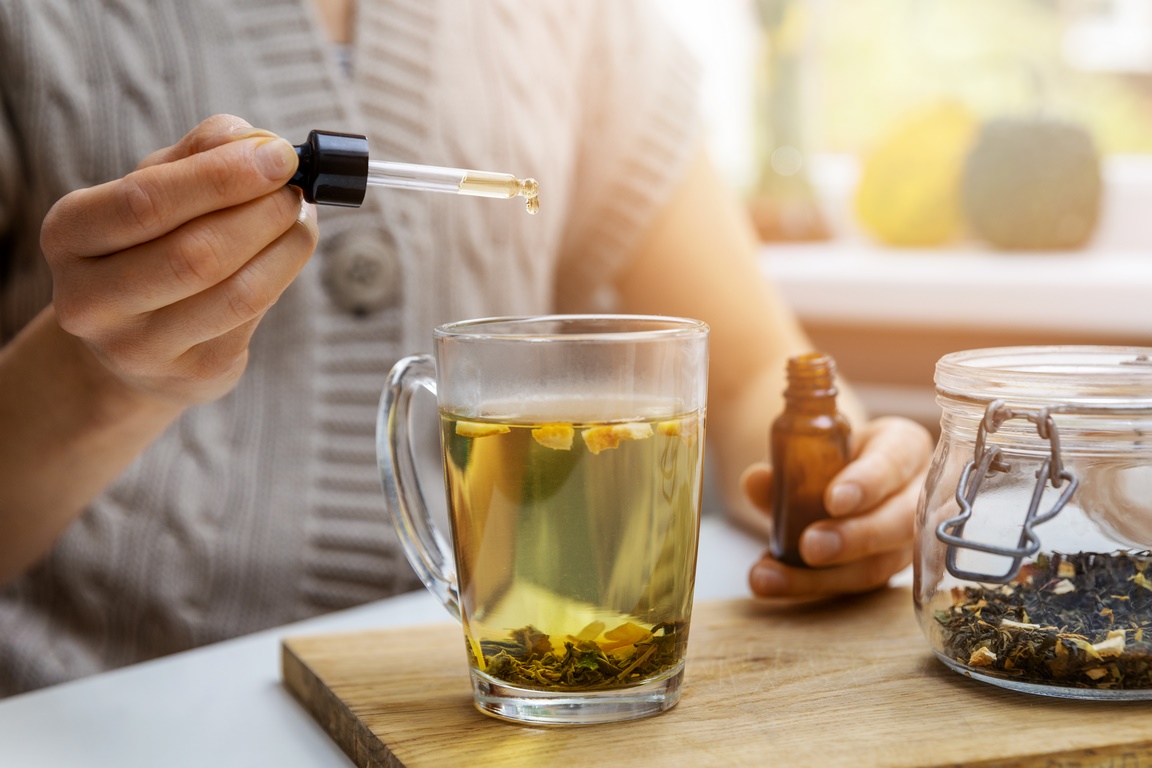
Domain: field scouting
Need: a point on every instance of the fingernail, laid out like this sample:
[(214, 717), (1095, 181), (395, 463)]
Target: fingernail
[(276, 158), (767, 581), (243, 130), (820, 546), (306, 212), (844, 498)]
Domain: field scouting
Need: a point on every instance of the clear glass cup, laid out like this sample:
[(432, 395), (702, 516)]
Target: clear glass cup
[(1032, 569), (573, 453)]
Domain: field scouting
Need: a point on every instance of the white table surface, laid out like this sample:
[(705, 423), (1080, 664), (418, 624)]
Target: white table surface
[(223, 705)]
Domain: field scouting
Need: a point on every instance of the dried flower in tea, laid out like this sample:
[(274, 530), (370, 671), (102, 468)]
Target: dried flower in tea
[(1079, 620), (629, 654)]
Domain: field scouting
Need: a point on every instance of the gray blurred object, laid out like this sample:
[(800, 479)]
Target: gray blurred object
[(1033, 183), (784, 205)]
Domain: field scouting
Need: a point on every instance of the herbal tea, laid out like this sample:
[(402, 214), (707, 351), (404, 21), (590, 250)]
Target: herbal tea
[(1082, 620), (575, 545)]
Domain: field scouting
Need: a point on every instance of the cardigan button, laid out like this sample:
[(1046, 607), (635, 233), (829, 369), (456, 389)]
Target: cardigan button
[(361, 272)]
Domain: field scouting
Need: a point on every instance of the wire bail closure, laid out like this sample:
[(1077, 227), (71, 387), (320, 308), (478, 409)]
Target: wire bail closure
[(988, 459)]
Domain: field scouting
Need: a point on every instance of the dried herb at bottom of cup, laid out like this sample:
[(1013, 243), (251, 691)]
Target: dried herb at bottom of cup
[(531, 659)]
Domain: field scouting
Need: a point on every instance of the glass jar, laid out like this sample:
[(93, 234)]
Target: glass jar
[(1032, 565)]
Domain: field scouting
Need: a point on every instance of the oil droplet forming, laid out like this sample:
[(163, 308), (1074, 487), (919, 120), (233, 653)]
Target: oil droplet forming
[(530, 191)]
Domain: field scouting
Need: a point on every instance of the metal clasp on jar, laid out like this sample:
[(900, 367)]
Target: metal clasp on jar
[(989, 459)]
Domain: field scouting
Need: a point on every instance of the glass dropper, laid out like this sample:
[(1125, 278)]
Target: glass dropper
[(459, 181), (335, 170)]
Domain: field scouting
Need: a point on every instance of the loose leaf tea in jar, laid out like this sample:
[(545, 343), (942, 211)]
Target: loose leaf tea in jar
[(1033, 568), (1078, 620)]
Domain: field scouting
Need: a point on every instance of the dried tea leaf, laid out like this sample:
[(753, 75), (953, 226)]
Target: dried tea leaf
[(532, 642), (982, 657), (1112, 646), (976, 606), (684, 428), (591, 632), (477, 653), (480, 429), (625, 634), (1010, 624), (558, 437), (1082, 644), (628, 632), (609, 436)]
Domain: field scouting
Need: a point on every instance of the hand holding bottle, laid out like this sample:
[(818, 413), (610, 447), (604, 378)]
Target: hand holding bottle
[(871, 504), (809, 447)]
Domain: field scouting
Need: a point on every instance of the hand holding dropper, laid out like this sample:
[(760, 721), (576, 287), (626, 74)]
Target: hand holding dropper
[(335, 170)]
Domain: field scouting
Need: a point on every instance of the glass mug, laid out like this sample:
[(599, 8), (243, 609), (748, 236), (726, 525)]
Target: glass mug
[(572, 448)]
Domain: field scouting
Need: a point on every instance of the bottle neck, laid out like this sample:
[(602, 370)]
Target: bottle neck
[(811, 383)]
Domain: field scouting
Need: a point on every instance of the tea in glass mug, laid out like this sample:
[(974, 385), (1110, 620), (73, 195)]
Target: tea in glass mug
[(573, 458)]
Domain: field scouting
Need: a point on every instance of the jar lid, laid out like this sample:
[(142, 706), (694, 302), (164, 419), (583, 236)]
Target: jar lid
[(1092, 377)]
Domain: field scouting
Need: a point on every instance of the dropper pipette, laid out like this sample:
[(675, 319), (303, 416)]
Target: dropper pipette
[(460, 181), (335, 170)]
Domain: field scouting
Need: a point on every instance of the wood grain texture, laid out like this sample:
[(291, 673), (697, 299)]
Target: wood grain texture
[(848, 682)]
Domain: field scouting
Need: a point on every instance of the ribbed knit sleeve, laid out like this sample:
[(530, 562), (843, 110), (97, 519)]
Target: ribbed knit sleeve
[(641, 125), (90, 88), (9, 173), (9, 176), (25, 286), (10, 170)]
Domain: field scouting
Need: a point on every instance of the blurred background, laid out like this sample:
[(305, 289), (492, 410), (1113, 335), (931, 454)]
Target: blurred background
[(935, 175)]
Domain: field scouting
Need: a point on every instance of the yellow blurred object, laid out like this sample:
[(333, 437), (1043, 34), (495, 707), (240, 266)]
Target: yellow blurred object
[(909, 191)]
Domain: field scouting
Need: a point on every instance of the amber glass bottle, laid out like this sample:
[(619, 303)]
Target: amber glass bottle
[(809, 446)]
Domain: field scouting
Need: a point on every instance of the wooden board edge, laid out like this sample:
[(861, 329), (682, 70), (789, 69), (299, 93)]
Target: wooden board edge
[(333, 715), (1131, 755)]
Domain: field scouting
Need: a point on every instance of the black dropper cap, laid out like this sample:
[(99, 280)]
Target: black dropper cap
[(333, 168)]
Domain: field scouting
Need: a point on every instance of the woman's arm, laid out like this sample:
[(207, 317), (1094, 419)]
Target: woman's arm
[(69, 429), (159, 279), (698, 260)]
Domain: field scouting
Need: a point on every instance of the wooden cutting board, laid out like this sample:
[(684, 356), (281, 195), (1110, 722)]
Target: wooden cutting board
[(849, 682)]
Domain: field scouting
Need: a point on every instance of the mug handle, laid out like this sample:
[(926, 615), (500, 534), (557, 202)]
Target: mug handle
[(426, 549)]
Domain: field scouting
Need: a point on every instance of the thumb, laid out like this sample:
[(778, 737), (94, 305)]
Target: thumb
[(209, 134), (756, 482)]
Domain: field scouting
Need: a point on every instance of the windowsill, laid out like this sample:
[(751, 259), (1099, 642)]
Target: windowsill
[(1103, 292), (888, 315), (1091, 292)]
